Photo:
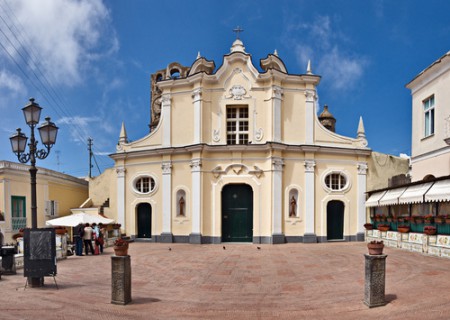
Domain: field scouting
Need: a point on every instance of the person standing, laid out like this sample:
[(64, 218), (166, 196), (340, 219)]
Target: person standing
[(87, 238), (95, 233), (78, 239), (101, 236)]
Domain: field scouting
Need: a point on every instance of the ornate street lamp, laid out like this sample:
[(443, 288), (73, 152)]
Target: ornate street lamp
[(48, 132)]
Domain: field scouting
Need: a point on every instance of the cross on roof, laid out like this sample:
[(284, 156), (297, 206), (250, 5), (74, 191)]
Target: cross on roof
[(238, 30)]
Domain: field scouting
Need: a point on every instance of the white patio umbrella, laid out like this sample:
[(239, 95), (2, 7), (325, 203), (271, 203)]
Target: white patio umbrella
[(75, 219)]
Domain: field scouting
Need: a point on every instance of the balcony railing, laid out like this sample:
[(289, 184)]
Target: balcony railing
[(19, 223)]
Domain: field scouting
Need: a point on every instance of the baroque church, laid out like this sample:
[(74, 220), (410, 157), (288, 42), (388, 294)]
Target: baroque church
[(237, 154)]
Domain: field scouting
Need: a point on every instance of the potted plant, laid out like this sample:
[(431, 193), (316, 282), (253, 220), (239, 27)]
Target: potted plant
[(383, 227), (378, 217), (368, 226), (429, 230), (440, 218), (375, 247), (390, 217), (429, 218), (403, 228), (18, 234), (120, 247), (418, 219)]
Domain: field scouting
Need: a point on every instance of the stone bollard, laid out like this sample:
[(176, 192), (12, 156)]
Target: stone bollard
[(375, 280), (120, 280)]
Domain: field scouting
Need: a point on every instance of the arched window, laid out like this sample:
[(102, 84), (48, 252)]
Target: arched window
[(336, 181), (144, 184)]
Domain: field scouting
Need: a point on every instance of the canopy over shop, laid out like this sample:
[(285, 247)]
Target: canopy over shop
[(428, 200)]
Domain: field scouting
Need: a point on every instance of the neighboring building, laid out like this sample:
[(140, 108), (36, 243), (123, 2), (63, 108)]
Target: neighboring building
[(237, 154), (429, 191), (56, 192), (430, 150)]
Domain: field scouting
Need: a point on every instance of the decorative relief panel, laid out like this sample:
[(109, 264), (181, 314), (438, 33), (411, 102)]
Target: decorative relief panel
[(237, 92)]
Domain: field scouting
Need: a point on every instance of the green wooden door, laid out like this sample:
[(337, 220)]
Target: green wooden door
[(144, 220), (237, 213), (335, 220)]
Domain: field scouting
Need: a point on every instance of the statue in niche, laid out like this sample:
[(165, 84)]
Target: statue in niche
[(292, 207), (181, 204)]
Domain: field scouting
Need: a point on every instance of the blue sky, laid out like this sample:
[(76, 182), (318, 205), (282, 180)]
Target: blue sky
[(88, 62)]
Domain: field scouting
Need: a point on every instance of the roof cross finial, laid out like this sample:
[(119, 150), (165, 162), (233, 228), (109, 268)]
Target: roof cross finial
[(238, 30)]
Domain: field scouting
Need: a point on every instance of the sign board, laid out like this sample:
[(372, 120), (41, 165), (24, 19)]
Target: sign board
[(39, 252)]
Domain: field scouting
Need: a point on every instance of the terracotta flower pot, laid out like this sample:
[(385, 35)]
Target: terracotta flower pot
[(403, 229), (368, 226), (121, 251), (375, 247), (383, 228), (430, 232), (439, 220)]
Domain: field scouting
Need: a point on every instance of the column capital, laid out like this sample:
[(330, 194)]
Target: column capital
[(195, 165), (309, 165), (197, 94), (277, 92), (165, 99), (277, 164), (121, 171), (166, 167), (310, 95), (362, 168)]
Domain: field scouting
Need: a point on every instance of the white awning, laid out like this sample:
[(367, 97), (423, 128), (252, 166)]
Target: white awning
[(440, 191), (374, 198), (414, 194), (391, 197)]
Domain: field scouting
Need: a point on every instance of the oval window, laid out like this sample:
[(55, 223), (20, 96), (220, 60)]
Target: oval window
[(336, 181), (144, 184)]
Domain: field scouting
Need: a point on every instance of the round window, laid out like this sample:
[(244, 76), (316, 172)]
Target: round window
[(144, 184), (336, 181)]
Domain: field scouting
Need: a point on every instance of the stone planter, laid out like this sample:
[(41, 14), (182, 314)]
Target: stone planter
[(375, 247)]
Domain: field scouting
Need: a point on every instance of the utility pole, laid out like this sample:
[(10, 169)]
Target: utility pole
[(90, 156)]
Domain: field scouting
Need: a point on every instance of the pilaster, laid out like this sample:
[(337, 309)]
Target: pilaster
[(277, 184), (361, 206), (166, 235), (310, 114), (195, 236), (309, 235), (197, 101), (277, 99), (167, 121), (121, 171)]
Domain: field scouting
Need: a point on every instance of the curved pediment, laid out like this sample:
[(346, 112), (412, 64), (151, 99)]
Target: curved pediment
[(202, 65), (273, 62)]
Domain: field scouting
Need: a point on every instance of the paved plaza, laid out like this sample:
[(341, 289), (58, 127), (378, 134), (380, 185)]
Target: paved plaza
[(290, 281)]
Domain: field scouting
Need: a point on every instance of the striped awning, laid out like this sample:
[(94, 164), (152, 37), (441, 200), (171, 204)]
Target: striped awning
[(374, 198), (415, 194), (391, 197), (440, 191)]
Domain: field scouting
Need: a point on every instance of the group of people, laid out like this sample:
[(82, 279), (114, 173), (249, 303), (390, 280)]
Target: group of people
[(84, 234)]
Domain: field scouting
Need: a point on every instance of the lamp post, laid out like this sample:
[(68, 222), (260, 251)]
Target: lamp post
[(48, 131)]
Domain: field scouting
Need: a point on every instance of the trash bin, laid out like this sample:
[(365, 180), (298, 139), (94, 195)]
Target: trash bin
[(8, 259)]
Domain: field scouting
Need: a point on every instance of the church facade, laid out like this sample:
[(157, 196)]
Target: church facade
[(235, 154)]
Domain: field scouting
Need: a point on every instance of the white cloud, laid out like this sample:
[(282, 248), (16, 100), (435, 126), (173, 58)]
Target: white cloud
[(79, 127), (66, 35), (327, 48), (11, 83)]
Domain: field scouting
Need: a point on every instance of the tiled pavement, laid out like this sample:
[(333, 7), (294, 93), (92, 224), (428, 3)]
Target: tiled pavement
[(290, 281)]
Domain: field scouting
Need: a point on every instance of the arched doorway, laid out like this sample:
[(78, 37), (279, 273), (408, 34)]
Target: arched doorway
[(144, 220), (335, 220), (237, 213)]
